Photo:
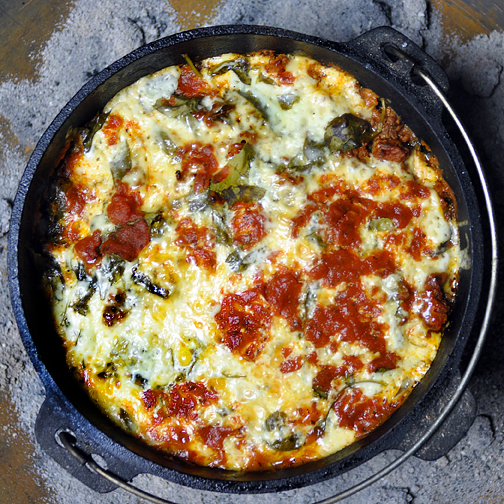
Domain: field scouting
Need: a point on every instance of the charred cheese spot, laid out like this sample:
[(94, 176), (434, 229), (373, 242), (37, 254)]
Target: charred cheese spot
[(257, 260)]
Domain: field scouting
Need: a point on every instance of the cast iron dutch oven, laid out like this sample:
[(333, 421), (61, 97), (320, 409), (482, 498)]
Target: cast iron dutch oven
[(382, 60)]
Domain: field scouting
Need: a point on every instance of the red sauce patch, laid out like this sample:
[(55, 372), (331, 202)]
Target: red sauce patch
[(386, 361), (418, 245), (435, 308), (198, 242), (124, 206), (213, 436), (149, 398), (344, 266), (390, 150), (360, 413), (185, 397), (111, 127), (398, 213), (307, 415), (235, 148), (128, 241), (221, 175), (327, 374), (283, 292), (174, 437), (414, 190), (379, 183), (247, 224), (276, 67), (302, 219), (344, 218), (291, 365), (328, 192), (243, 320), (191, 85), (113, 312), (198, 160), (351, 318), (76, 199), (88, 248)]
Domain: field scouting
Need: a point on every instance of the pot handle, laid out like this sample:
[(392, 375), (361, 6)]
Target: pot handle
[(393, 56), (453, 429), (56, 423)]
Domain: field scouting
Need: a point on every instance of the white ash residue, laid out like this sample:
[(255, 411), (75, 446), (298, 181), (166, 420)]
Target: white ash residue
[(97, 33), (333, 20)]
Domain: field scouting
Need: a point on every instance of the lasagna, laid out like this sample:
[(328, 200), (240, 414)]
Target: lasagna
[(253, 260)]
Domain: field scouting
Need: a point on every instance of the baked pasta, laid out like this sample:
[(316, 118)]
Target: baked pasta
[(255, 260)]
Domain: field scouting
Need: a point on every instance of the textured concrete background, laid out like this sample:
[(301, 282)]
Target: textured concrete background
[(48, 49)]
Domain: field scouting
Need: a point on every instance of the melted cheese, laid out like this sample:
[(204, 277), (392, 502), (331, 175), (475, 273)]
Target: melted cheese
[(237, 292)]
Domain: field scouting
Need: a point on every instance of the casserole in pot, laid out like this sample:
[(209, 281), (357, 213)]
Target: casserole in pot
[(365, 58)]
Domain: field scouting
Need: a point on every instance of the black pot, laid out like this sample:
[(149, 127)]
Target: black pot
[(382, 60)]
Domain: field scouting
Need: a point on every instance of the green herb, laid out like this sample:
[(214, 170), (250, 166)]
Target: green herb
[(121, 164), (289, 443), (256, 102), (347, 132), (243, 193), (113, 267), (222, 232), (156, 223), (177, 106), (381, 225), (191, 64), (239, 66), (168, 146), (287, 101), (142, 279), (126, 420), (275, 421), (95, 126), (81, 306)]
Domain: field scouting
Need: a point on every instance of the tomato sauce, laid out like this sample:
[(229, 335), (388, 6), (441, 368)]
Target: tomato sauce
[(185, 397), (418, 245), (76, 198), (283, 292), (326, 375), (213, 436), (351, 318), (386, 361), (128, 240), (198, 242), (344, 218), (199, 160), (398, 213), (435, 308), (243, 320), (414, 190), (360, 413), (124, 206), (291, 365), (191, 85), (111, 127), (276, 67), (380, 183), (247, 224), (87, 249), (345, 266)]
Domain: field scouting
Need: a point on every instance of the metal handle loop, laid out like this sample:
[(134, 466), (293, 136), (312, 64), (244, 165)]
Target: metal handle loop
[(486, 319), (70, 442)]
